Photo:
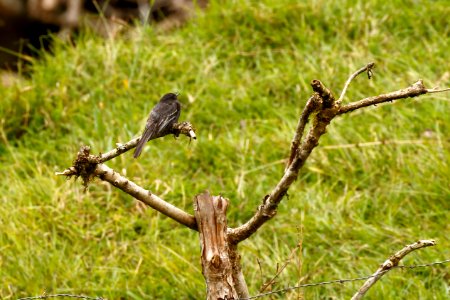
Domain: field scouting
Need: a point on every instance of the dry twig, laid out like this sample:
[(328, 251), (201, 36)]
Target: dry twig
[(414, 90), (303, 120), (184, 128), (342, 281), (367, 68), (436, 90), (389, 264), (87, 167), (281, 269)]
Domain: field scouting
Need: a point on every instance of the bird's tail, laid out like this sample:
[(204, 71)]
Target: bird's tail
[(139, 148), (150, 133)]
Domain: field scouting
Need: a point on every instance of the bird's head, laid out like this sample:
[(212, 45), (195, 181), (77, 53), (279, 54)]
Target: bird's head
[(169, 97)]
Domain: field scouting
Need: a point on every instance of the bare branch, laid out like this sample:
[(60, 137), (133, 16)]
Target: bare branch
[(389, 264), (321, 99), (367, 68), (324, 106), (87, 167), (304, 118), (107, 174), (414, 90), (120, 149), (184, 128), (267, 210)]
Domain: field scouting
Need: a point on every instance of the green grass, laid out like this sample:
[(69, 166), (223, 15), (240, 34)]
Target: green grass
[(244, 71)]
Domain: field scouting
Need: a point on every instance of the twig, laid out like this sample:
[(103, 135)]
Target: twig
[(337, 281), (377, 143), (435, 90), (340, 281), (184, 128), (389, 264), (280, 270), (321, 99), (120, 148), (304, 118), (326, 98), (414, 90), (88, 166), (367, 68), (71, 171)]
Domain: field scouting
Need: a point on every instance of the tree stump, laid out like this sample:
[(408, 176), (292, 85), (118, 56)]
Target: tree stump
[(210, 214)]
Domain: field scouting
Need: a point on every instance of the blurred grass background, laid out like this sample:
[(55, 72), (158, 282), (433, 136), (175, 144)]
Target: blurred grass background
[(243, 69)]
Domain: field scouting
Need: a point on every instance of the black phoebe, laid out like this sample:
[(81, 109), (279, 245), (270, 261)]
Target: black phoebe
[(160, 121)]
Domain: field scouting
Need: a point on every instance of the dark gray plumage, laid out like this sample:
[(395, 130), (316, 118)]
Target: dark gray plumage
[(160, 121)]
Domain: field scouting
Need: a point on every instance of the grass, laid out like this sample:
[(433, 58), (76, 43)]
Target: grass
[(243, 70)]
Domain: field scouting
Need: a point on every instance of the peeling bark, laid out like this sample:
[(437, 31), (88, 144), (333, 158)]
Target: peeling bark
[(216, 264)]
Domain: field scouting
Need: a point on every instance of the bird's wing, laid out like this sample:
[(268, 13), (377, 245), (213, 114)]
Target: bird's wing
[(160, 120), (166, 122)]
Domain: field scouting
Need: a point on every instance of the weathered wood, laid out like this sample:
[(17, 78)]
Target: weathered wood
[(238, 277), (210, 214)]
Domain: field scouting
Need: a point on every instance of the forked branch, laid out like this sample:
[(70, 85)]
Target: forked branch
[(368, 68), (414, 90), (322, 108)]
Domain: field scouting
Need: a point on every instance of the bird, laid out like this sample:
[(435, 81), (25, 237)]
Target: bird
[(160, 121)]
